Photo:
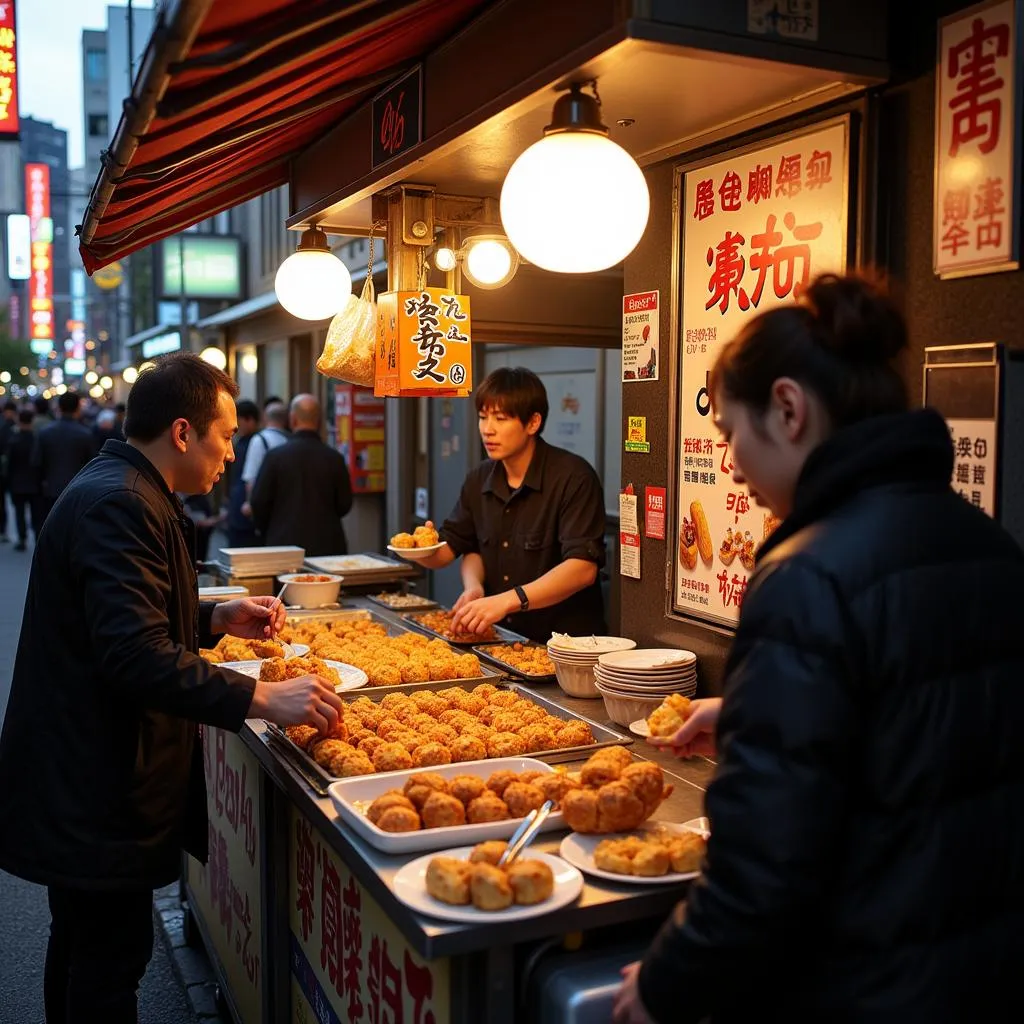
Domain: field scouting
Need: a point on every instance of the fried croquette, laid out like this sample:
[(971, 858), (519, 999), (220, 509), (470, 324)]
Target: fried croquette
[(391, 757), (618, 808), (647, 781), (348, 766), (670, 716), (489, 852), (392, 798), (448, 880), (487, 807), (302, 735), (532, 881), (419, 786), (427, 754), (522, 798), (399, 819), (489, 887), (579, 807), (441, 810), (468, 748), (466, 788), (554, 786), (537, 737), (687, 851), (498, 780), (505, 744)]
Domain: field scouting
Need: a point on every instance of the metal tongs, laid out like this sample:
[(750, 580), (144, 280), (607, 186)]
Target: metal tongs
[(524, 835)]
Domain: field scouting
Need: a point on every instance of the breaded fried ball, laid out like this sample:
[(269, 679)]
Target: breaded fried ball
[(399, 819), (646, 780), (687, 851), (505, 744), (302, 735), (324, 751), (448, 880), (389, 727), (427, 754), (438, 733), (471, 703), (579, 807), (392, 798), (574, 734), (485, 690), (500, 779), (369, 745), (618, 808), (393, 700), (348, 766), (467, 748), (532, 881), (441, 810), (537, 737), (419, 786), (522, 798), (487, 807), (503, 699), (489, 852), (391, 757), (273, 671), (507, 721), (466, 788), (554, 785), (489, 887)]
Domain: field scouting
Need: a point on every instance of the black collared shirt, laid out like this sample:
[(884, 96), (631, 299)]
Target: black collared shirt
[(555, 514)]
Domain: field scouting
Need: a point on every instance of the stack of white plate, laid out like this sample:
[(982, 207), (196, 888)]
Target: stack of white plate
[(270, 561), (633, 683), (575, 659)]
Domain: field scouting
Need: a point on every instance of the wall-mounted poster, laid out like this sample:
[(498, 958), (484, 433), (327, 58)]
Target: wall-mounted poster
[(755, 227)]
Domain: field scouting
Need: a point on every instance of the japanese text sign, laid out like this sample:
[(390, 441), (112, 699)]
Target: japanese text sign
[(349, 962), (226, 892), (974, 462), (654, 512), (8, 70), (757, 226), (423, 344), (397, 117), (640, 349), (977, 141), (40, 286)]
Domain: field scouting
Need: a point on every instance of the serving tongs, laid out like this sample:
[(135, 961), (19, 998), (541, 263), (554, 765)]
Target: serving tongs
[(524, 835)]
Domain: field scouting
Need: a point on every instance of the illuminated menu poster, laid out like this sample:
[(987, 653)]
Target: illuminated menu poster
[(8, 70), (40, 289), (349, 962), (757, 226)]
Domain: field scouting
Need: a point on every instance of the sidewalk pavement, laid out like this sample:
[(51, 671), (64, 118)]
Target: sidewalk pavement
[(179, 987)]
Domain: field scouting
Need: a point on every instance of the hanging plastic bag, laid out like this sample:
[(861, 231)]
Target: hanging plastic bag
[(348, 350)]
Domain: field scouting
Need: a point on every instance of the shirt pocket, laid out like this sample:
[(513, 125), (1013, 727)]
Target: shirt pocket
[(539, 551)]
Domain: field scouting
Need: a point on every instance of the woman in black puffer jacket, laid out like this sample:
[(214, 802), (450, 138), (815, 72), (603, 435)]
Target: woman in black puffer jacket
[(866, 861)]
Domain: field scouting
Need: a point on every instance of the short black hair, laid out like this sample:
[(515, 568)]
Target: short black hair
[(271, 400), (42, 406), (516, 391), (26, 416), (247, 409), (121, 408), (180, 385), (68, 402)]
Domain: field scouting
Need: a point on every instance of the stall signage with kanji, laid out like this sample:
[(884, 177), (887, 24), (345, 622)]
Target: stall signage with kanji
[(8, 70), (757, 227), (974, 462), (349, 961), (640, 349), (226, 892), (40, 285), (977, 171)]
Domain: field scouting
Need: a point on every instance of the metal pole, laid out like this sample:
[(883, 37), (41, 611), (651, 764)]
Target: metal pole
[(186, 334), (131, 49)]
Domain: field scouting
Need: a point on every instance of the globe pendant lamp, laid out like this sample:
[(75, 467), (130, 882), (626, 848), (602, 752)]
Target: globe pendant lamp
[(575, 202), (313, 284)]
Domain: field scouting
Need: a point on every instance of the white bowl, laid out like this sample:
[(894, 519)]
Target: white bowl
[(576, 680), (311, 595), (623, 710)]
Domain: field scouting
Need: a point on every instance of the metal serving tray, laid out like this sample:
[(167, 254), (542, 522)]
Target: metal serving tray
[(319, 778), (484, 651), (426, 606), (504, 635)]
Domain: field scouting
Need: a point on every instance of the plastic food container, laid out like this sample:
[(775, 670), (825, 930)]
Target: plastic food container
[(311, 590)]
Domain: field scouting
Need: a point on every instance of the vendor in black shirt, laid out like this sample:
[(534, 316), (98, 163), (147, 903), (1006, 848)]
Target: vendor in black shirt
[(529, 523)]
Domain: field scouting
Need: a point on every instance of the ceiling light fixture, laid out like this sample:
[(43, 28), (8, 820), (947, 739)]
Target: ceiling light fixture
[(313, 284), (575, 202), (488, 260), (214, 356)]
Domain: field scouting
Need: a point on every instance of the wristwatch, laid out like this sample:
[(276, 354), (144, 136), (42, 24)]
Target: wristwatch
[(524, 601)]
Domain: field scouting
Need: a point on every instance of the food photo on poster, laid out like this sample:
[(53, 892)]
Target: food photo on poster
[(756, 226)]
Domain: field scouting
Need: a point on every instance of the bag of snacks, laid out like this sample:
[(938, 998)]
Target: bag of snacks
[(348, 350)]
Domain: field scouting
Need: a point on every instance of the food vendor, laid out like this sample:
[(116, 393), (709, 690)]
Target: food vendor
[(529, 523)]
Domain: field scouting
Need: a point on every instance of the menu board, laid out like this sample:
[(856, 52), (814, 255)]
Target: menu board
[(757, 226)]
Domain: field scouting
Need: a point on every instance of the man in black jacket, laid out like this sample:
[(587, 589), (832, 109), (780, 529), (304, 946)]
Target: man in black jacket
[(8, 427), (62, 449), (101, 772), (303, 488), (23, 478)]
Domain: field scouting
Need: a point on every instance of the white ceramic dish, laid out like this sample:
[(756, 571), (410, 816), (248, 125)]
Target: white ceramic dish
[(640, 728), (624, 709), (352, 796), (416, 554), (563, 643), (576, 680), (578, 850), (313, 594), (641, 690), (352, 678), (648, 659), (410, 886)]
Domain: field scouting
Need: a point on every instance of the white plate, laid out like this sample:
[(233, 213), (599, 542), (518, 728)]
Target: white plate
[(299, 650), (351, 796), (351, 677), (640, 728), (578, 850), (349, 563), (562, 643), (410, 886), (416, 554), (648, 658)]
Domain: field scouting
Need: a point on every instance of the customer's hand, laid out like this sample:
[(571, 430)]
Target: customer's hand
[(469, 594), (251, 618), (628, 1007), (307, 700), (475, 616), (697, 734)]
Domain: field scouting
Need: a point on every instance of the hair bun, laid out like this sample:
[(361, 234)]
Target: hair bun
[(855, 319)]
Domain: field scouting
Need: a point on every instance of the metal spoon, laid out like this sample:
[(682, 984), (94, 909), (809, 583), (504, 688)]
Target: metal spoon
[(524, 835)]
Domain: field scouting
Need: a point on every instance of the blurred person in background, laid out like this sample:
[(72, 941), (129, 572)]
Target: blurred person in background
[(43, 417), (62, 449), (105, 428), (23, 478), (273, 435), (8, 426), (240, 529)]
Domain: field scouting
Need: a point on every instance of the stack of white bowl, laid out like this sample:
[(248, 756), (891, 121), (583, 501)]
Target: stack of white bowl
[(633, 683), (575, 657)]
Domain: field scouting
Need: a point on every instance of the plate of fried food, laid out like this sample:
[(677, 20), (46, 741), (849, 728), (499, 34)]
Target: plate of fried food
[(405, 812), (439, 623), (529, 661), (465, 884), (234, 649), (658, 853), (421, 543), (274, 670)]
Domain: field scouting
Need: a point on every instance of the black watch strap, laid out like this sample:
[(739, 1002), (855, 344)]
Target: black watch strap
[(524, 601)]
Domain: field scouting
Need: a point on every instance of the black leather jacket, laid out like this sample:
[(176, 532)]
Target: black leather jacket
[(866, 862), (101, 774)]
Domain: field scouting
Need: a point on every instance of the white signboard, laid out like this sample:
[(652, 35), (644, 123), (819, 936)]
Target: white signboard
[(19, 246), (641, 353), (977, 168), (757, 226), (974, 462)]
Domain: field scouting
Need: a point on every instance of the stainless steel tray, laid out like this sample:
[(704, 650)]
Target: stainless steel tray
[(319, 778), (484, 651), (427, 605), (504, 635)]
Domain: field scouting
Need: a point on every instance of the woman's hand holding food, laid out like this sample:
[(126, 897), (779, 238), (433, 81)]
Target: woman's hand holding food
[(476, 614), (251, 618), (307, 700), (696, 736)]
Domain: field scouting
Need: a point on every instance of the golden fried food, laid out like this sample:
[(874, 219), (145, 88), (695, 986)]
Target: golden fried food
[(441, 810), (505, 744), (419, 786), (273, 670), (212, 656), (448, 880), (522, 798), (438, 733), (579, 806), (652, 860), (616, 855), (538, 737), (485, 690), (403, 540), (267, 648), (392, 798), (348, 766), (489, 852), (427, 754), (369, 745), (487, 807), (530, 659), (489, 887), (302, 735), (468, 748), (669, 718), (500, 779), (440, 622), (574, 734), (651, 855), (618, 808), (598, 772), (425, 536), (391, 757), (554, 786), (399, 819), (532, 881), (325, 750), (507, 721), (687, 851), (466, 788), (647, 781)]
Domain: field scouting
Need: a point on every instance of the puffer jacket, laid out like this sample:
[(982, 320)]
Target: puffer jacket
[(866, 860), (101, 774)]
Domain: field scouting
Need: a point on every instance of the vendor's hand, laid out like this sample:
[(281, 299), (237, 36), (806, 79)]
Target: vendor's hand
[(247, 510), (251, 618), (628, 1007), (476, 615), (307, 700), (697, 734), (469, 594)]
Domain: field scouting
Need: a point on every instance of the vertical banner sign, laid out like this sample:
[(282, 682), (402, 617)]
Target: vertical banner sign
[(226, 892), (757, 226), (359, 423), (40, 287), (640, 349), (974, 464), (629, 535), (349, 961), (654, 513), (8, 70), (977, 141)]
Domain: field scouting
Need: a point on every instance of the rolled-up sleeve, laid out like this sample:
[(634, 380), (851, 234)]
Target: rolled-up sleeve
[(459, 530), (581, 520)]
